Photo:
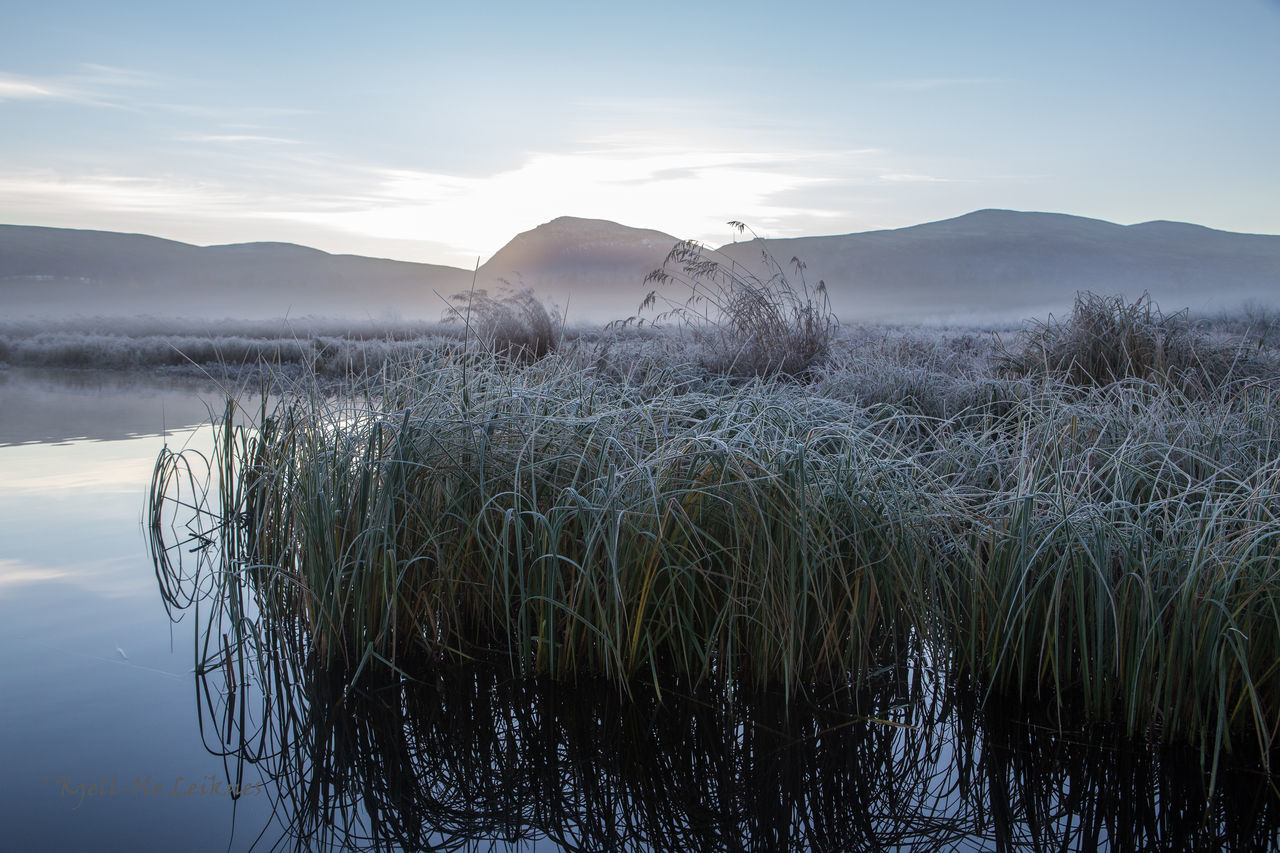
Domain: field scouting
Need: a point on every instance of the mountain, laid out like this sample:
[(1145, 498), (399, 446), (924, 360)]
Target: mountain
[(986, 266), (1008, 265), (58, 272), (591, 268)]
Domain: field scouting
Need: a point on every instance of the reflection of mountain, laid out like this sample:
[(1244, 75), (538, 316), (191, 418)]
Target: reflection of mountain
[(991, 264), (50, 405)]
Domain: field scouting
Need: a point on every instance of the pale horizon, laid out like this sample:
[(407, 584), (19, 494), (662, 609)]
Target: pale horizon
[(437, 135)]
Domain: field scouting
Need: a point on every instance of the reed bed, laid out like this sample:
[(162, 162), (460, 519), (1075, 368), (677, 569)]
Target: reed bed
[(1109, 339), (582, 526), (1109, 549), (1120, 553)]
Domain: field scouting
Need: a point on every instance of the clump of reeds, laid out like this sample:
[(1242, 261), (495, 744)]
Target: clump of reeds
[(1110, 548), (1118, 555), (515, 325), (1108, 339), (583, 527), (749, 325)]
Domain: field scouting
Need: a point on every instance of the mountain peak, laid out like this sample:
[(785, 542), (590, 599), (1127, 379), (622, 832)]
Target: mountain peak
[(269, 246), (593, 267), (575, 237), (582, 230)]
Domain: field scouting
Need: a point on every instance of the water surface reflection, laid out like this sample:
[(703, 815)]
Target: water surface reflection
[(469, 758), (48, 405), (96, 684)]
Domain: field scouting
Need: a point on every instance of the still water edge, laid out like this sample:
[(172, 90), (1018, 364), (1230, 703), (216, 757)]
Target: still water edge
[(97, 715)]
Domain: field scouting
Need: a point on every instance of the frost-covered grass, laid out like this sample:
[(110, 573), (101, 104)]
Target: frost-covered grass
[(1107, 339), (327, 348), (744, 322), (618, 509)]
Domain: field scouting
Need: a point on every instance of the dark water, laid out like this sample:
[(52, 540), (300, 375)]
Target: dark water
[(112, 742)]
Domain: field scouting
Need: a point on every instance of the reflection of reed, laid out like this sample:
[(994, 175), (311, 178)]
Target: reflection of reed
[(1074, 786), (419, 752), (461, 758), (469, 755)]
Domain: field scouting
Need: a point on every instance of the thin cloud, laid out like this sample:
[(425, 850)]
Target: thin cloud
[(923, 84), (18, 88), (116, 75), (95, 85), (48, 193), (248, 116), (909, 178), (236, 138)]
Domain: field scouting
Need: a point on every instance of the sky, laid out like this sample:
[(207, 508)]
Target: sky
[(435, 132)]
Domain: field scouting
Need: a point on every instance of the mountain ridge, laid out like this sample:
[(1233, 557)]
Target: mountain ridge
[(990, 264)]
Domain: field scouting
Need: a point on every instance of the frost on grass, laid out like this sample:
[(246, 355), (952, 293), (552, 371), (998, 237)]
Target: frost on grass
[(746, 322), (1108, 339)]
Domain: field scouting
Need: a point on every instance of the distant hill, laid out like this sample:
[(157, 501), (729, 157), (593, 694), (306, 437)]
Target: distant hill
[(592, 269), (1008, 265), (990, 265), (57, 272)]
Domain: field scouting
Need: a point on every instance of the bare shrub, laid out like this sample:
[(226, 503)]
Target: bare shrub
[(514, 325), (1107, 339), (1256, 322), (746, 324)]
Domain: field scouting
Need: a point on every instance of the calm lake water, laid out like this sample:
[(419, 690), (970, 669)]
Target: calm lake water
[(109, 737), (98, 724)]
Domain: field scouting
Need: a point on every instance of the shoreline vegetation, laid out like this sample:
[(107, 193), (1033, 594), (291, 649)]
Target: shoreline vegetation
[(1080, 515), (340, 350)]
